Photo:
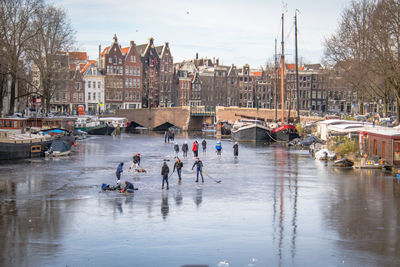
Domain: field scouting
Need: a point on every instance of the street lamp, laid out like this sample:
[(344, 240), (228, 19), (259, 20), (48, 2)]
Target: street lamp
[(166, 102)]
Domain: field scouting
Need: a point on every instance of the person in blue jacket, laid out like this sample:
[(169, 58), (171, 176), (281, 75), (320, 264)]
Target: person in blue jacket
[(119, 170), (218, 147)]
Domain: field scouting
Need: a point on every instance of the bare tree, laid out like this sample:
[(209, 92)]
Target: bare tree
[(54, 35), (15, 33), (385, 45), (350, 45)]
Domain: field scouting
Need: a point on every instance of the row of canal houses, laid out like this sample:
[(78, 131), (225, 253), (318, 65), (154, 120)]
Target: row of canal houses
[(123, 77), (145, 76)]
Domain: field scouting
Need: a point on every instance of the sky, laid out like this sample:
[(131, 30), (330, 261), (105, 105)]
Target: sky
[(235, 31)]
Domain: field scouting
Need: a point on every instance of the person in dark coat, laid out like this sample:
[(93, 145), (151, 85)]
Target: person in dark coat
[(128, 187), (164, 173), (135, 161), (119, 170), (185, 149), (204, 145), (236, 150), (199, 169), (176, 149), (166, 136), (178, 166)]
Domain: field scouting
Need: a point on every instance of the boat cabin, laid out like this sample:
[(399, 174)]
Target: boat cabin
[(383, 143), (13, 123), (67, 123)]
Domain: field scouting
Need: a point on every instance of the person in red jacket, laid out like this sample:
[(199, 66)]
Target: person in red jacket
[(195, 149)]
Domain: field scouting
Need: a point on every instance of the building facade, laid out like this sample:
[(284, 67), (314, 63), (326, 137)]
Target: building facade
[(94, 88)]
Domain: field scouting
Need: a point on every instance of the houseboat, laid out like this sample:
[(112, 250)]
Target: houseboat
[(251, 130)]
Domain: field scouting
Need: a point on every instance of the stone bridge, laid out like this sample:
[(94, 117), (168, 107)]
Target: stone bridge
[(193, 119)]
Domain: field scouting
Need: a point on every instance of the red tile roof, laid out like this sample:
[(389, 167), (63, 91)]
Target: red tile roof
[(125, 50), (77, 55), (293, 67), (257, 73), (105, 50), (87, 65)]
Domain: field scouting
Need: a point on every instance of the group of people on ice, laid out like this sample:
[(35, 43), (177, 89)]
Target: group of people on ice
[(178, 165), (195, 148)]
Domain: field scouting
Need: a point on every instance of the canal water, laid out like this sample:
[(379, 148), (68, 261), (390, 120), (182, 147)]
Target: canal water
[(274, 207)]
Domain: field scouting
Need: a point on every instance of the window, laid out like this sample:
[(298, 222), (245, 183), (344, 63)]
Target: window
[(134, 70), (88, 96), (138, 71), (126, 83), (115, 60), (77, 86), (98, 84), (94, 96), (89, 84), (134, 59), (131, 58), (119, 61), (110, 60), (64, 96), (134, 83), (138, 83)]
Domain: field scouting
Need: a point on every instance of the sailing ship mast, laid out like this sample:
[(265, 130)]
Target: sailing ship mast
[(297, 68), (276, 85), (282, 74)]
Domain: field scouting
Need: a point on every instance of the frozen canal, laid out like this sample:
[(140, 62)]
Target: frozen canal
[(274, 207)]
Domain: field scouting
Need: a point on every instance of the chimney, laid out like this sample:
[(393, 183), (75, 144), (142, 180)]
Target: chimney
[(99, 60), (132, 43), (197, 55), (217, 62)]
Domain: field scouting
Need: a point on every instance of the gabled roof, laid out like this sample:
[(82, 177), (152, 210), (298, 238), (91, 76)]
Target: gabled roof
[(141, 49)]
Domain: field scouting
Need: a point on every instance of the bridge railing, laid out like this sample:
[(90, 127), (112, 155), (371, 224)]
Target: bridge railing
[(202, 111)]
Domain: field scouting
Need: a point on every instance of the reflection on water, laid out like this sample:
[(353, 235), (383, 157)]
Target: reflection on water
[(164, 205), (199, 196), (274, 207)]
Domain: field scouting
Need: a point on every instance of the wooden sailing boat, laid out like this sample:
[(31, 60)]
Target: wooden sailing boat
[(286, 132)]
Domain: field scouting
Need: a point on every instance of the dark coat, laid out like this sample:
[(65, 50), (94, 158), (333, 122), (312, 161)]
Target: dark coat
[(178, 165), (235, 149), (185, 147), (199, 165), (164, 170)]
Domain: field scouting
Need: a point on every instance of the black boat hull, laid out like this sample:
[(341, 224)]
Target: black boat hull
[(253, 133), (284, 136), (11, 151), (106, 130)]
